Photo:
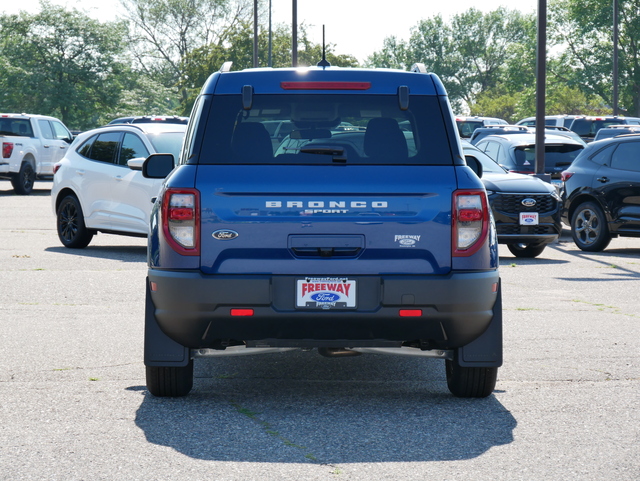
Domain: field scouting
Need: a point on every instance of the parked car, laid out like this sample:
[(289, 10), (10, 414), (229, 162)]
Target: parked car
[(516, 153), (98, 186), (31, 145), (602, 192), (389, 247), (483, 132), (588, 126), (147, 119), (466, 125), (526, 209), (561, 120), (615, 130)]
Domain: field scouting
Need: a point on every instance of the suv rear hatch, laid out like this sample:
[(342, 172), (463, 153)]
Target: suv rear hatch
[(351, 219)]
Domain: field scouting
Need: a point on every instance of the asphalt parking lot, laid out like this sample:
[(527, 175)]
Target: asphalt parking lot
[(73, 402)]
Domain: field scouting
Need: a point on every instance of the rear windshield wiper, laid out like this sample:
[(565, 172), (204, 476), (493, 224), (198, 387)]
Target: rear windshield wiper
[(337, 153)]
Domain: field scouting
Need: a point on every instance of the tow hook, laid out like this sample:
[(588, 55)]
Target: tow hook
[(337, 352)]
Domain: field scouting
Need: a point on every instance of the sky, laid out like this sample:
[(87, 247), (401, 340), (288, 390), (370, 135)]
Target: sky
[(356, 27)]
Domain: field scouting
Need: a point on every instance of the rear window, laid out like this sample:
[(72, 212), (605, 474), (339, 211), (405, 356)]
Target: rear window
[(316, 129), (554, 156), (589, 127), (465, 128), (16, 127)]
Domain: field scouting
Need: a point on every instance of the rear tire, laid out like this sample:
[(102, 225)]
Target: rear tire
[(526, 250), (170, 381), (23, 181), (589, 228), (468, 382), (72, 231)]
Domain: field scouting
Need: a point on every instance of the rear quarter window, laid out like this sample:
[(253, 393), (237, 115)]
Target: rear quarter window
[(626, 157)]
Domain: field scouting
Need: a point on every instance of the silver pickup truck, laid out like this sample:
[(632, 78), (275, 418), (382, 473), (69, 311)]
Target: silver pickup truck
[(31, 145)]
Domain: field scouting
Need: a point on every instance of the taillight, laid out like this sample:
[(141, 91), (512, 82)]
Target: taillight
[(56, 167), (470, 221), (566, 175), (7, 149), (181, 220)]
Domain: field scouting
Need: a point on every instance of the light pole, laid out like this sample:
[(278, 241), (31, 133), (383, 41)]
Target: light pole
[(541, 77), (255, 33), (615, 57), (294, 34), (270, 61)]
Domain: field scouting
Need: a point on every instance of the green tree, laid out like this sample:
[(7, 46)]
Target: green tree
[(200, 63), (59, 63), (164, 32), (472, 54), (583, 29)]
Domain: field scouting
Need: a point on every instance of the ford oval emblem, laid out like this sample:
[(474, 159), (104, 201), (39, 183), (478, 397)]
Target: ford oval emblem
[(325, 297), (225, 234), (528, 202)]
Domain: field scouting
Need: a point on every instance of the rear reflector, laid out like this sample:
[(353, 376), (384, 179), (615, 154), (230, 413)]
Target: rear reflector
[(410, 312), (242, 312), (325, 85)]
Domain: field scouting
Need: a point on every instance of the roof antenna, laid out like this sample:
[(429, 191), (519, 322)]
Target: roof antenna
[(323, 63)]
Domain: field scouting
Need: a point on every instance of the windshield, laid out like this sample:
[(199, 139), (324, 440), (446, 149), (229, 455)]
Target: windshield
[(488, 164), (167, 142), (314, 129)]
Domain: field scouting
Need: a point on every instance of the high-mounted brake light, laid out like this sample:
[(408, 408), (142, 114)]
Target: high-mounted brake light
[(410, 312), (181, 220), (7, 149), (242, 312), (470, 221), (325, 85)]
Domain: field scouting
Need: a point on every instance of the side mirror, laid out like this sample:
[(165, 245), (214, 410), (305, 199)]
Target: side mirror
[(475, 164), (136, 164), (158, 166)]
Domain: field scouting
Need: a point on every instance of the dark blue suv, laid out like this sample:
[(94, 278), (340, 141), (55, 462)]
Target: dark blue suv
[(383, 240)]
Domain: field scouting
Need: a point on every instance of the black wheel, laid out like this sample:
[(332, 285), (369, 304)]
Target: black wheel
[(70, 223), (170, 381), (589, 228), (526, 250), (23, 181), (470, 381)]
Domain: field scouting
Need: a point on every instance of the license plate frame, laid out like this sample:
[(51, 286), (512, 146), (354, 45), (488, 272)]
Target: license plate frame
[(529, 218), (325, 293)]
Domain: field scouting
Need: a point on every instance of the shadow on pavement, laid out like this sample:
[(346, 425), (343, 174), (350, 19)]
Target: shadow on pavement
[(121, 253), (299, 407)]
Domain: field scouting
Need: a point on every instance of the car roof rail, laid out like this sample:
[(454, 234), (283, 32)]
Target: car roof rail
[(135, 126)]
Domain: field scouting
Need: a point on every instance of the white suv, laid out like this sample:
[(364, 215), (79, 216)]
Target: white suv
[(98, 186)]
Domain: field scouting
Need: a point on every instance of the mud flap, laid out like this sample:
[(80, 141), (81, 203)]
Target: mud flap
[(159, 349), (486, 351)]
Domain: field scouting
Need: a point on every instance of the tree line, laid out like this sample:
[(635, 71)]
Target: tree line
[(155, 58)]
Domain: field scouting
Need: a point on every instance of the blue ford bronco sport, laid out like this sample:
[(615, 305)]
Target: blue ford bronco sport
[(369, 234)]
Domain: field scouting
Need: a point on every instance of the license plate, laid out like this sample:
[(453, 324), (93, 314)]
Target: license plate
[(325, 293), (528, 218)]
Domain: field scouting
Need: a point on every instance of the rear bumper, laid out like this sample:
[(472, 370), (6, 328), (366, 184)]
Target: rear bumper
[(194, 310)]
